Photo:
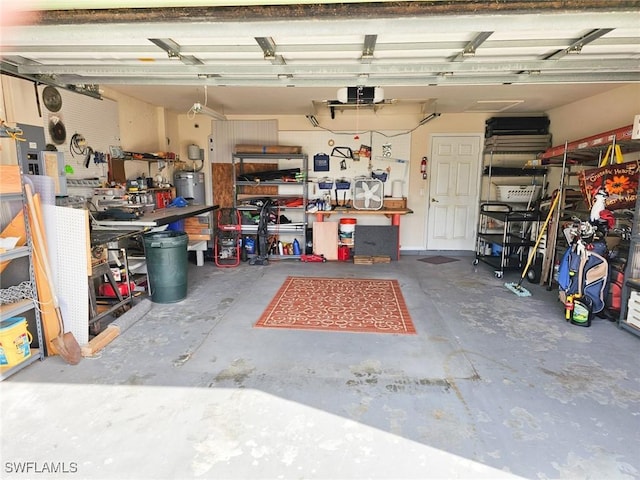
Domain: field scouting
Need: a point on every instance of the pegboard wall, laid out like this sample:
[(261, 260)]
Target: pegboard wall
[(226, 135), (390, 152), (69, 247), (96, 120)]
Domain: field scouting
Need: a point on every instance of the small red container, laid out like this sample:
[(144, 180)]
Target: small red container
[(106, 290), (344, 253)]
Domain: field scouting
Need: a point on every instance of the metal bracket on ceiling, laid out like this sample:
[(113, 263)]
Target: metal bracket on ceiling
[(368, 48), (470, 48), (268, 47), (174, 51), (576, 45)]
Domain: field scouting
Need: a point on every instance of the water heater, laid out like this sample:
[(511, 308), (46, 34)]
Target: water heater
[(190, 186)]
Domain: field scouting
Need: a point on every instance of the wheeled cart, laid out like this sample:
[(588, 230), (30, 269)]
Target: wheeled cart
[(505, 236), (228, 242)]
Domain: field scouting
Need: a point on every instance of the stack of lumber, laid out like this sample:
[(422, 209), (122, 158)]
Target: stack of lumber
[(268, 149), (370, 259)]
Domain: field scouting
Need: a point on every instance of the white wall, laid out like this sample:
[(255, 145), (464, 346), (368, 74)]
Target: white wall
[(144, 128), (591, 116)]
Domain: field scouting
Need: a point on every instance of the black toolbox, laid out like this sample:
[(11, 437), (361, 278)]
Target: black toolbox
[(516, 126)]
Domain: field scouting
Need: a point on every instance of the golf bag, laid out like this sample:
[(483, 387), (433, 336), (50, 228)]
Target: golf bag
[(614, 291), (583, 281)]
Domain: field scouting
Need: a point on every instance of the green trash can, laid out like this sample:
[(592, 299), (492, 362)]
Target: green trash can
[(167, 261)]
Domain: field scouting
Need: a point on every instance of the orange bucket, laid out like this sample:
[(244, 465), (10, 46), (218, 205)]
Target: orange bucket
[(346, 229)]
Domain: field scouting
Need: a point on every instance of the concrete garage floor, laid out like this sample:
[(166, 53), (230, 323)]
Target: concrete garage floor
[(493, 385)]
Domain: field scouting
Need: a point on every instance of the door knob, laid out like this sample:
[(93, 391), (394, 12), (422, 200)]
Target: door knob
[(433, 200)]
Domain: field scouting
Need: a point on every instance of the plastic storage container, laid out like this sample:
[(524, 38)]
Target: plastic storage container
[(15, 341), (167, 261), (518, 193), (325, 183)]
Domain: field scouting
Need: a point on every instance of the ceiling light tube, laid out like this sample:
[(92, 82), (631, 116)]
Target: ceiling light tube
[(428, 118), (313, 120), (208, 111)]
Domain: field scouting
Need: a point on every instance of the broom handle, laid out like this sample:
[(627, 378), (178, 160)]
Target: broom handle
[(544, 228), (43, 253)]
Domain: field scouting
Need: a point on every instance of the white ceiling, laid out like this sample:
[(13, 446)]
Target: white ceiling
[(409, 100), (520, 62)]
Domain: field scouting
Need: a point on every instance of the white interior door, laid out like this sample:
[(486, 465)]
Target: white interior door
[(453, 192)]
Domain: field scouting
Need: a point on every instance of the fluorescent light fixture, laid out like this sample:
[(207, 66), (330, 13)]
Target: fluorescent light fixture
[(198, 108), (313, 120), (428, 118)]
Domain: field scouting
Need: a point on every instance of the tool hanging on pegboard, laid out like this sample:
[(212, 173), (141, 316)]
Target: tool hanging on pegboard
[(343, 153), (78, 147), (100, 157)]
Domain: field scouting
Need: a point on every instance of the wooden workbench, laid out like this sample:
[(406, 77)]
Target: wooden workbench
[(162, 216), (393, 213)]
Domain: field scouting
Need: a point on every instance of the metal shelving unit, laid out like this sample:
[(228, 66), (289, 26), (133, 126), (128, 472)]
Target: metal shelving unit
[(585, 152), (243, 192), (514, 244), (506, 224), (24, 305), (588, 148), (630, 299)]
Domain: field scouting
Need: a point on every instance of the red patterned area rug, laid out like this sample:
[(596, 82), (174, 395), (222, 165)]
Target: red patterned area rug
[(339, 304)]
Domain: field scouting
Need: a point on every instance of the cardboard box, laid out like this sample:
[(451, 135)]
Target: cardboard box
[(395, 203)]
